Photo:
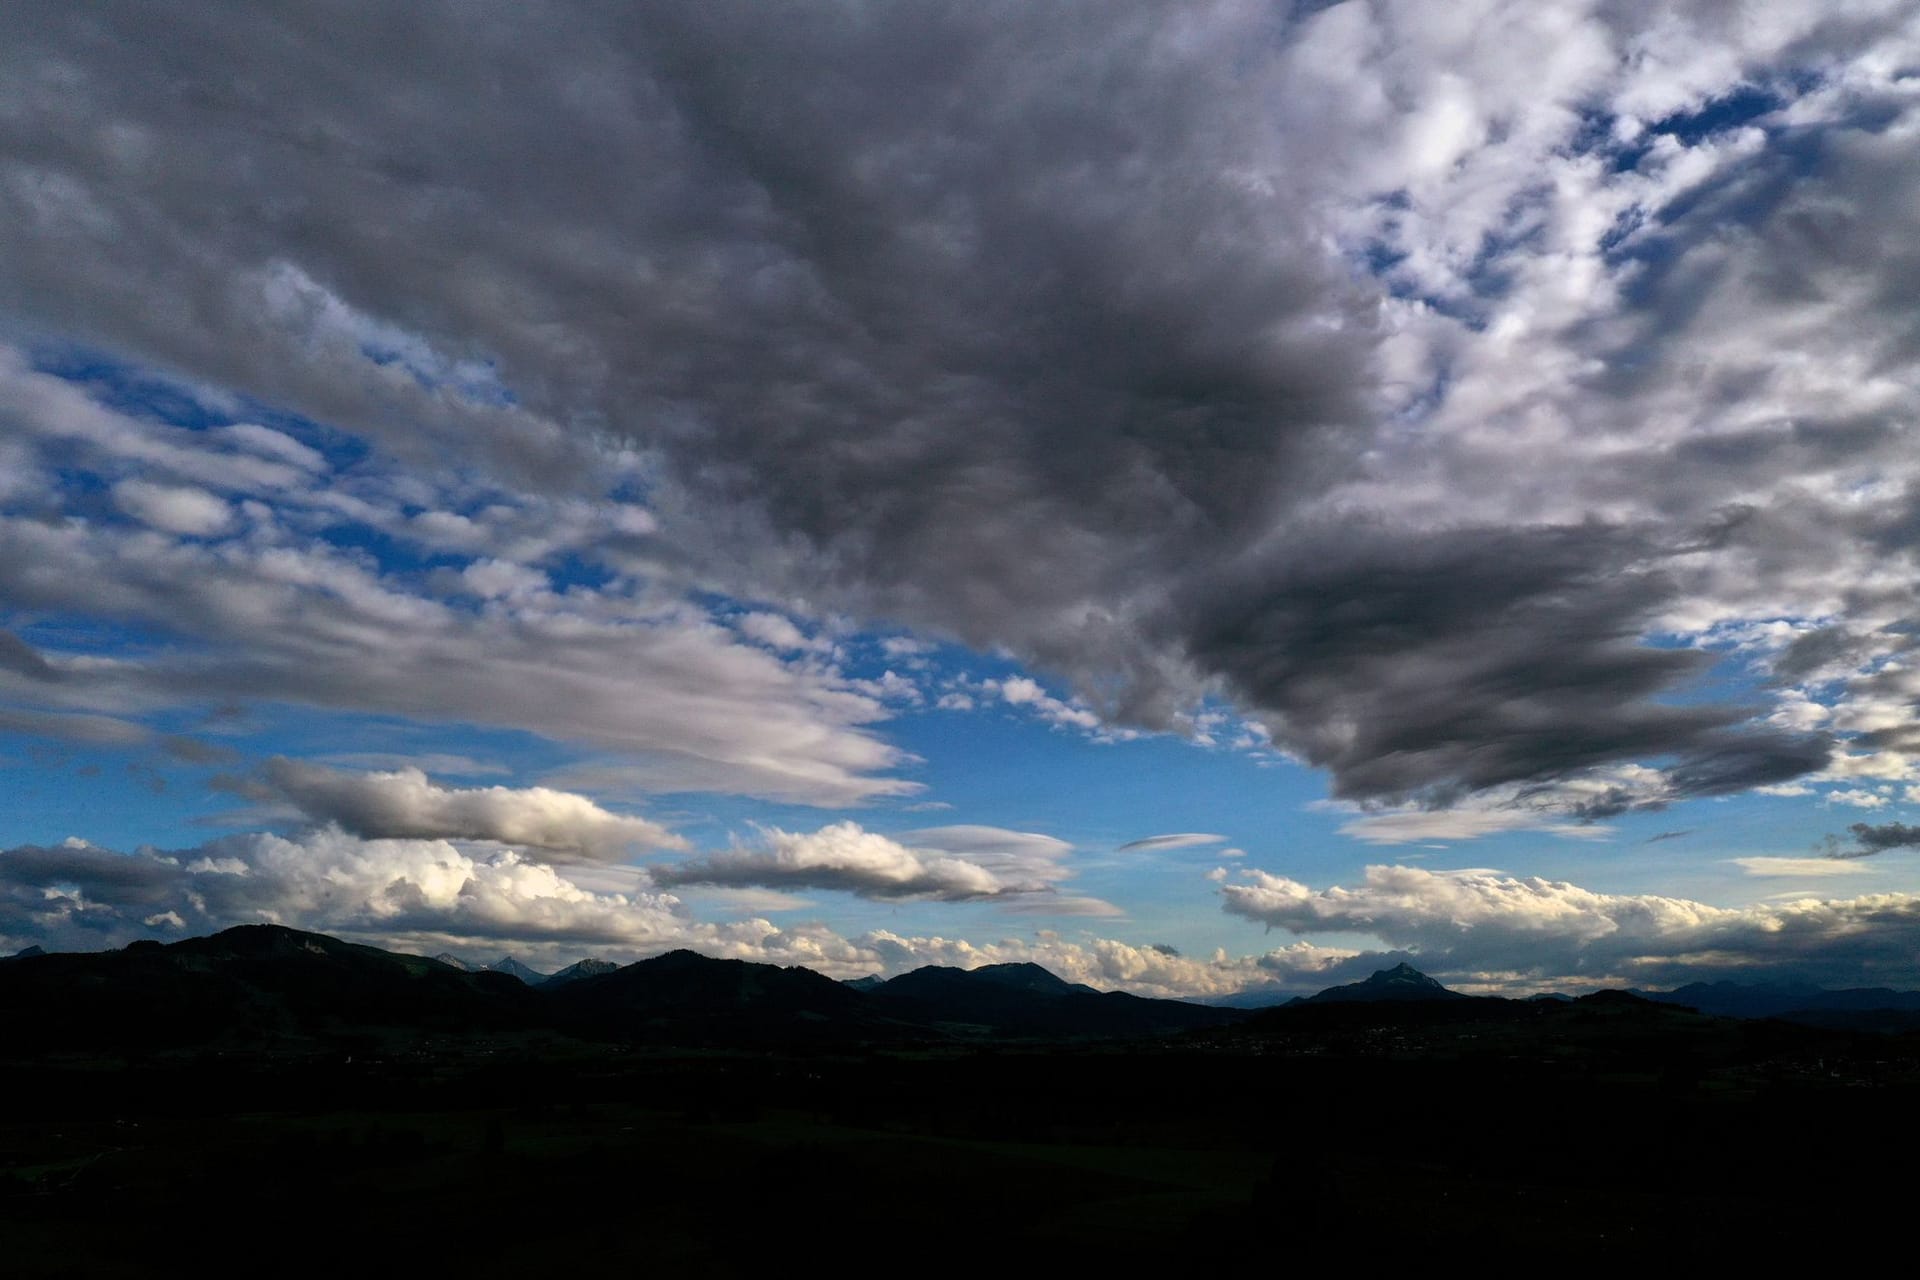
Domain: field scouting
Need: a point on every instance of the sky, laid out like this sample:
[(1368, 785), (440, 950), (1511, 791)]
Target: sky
[(1200, 496)]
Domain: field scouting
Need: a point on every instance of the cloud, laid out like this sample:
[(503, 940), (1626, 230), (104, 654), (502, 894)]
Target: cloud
[(1766, 866), (1479, 927), (437, 762), (1421, 825), (1536, 930), (173, 508), (948, 864), (1856, 797), (1403, 689), (271, 608), (1111, 964), (406, 804), (1023, 691), (105, 731), (1180, 357), (1182, 840), (1015, 852), (83, 897), (429, 895), (1021, 294), (1870, 839), (777, 632), (21, 658), (841, 856)]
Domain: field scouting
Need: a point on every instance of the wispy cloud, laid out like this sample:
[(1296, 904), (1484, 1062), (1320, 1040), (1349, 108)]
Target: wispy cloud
[(1178, 840)]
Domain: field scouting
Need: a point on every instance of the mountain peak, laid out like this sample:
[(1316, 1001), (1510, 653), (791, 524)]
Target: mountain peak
[(514, 969), (591, 967), (1025, 975), (1402, 982), (1020, 976), (1402, 974)]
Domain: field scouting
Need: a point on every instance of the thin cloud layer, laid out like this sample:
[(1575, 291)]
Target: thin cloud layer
[(1177, 840), (275, 603)]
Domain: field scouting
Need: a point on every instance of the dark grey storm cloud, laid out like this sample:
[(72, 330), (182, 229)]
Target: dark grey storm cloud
[(1036, 325), (104, 872), (1871, 838), (18, 656), (1812, 650), (1424, 668)]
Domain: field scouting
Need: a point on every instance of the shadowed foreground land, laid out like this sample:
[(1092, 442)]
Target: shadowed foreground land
[(724, 1163), (1330, 1135)]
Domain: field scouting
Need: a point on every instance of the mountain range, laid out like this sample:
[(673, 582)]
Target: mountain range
[(267, 983), (1852, 1008), (1403, 982)]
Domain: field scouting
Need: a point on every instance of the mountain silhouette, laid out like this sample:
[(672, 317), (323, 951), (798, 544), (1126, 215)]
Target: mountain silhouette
[(250, 982), (591, 967), (1403, 982), (514, 969), (1852, 1008), (267, 984), (1027, 1000), (687, 997)]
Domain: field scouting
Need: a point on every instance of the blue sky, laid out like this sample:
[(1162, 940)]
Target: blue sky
[(1198, 500)]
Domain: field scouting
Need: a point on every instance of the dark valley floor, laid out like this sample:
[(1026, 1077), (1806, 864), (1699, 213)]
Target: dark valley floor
[(670, 1130)]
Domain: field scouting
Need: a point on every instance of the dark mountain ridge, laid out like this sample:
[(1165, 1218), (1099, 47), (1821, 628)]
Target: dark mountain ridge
[(1877, 1009), (685, 996), (268, 983), (514, 969), (591, 967), (1403, 982), (1779, 999), (1027, 1000), (250, 982)]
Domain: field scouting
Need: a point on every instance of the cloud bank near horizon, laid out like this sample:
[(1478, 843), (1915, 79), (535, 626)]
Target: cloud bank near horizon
[(1481, 930), (1538, 930)]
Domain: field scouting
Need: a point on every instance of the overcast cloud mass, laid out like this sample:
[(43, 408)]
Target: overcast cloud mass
[(1500, 410)]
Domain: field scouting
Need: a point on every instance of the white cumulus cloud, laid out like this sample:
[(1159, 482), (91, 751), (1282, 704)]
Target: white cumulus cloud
[(406, 804), (179, 509)]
